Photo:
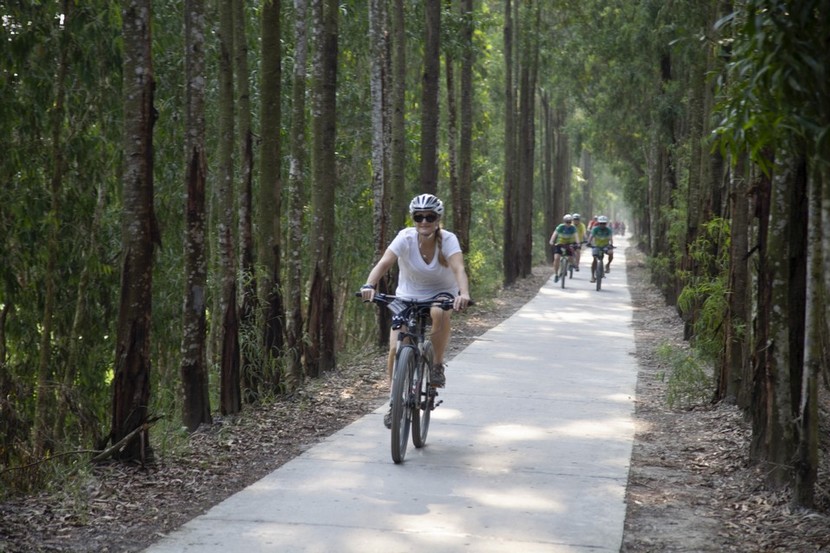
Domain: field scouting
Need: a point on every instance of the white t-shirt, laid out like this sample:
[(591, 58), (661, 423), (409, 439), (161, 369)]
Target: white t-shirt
[(418, 280)]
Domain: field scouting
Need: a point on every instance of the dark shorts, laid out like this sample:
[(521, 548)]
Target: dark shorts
[(563, 249)]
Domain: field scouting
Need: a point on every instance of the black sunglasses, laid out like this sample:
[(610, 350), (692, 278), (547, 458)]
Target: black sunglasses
[(431, 218)]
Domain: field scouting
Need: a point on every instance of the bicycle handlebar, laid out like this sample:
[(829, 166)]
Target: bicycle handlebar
[(443, 300)]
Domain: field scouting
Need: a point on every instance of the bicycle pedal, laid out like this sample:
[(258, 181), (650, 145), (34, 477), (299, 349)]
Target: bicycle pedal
[(436, 404)]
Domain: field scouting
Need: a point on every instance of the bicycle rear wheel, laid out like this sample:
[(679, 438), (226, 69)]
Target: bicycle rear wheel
[(422, 408), (401, 402)]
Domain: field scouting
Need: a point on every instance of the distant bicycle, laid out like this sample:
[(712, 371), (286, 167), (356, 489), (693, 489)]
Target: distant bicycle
[(599, 255), (413, 397), (566, 263)]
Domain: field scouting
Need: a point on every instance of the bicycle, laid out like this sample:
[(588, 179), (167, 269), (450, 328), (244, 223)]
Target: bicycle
[(413, 397), (599, 274), (566, 266)]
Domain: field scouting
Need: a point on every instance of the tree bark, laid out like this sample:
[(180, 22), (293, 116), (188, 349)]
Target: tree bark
[(430, 84), (270, 191), (807, 421), (196, 402), (464, 207), (381, 181), (249, 367), (510, 266), (131, 382), (398, 200), (230, 382), (296, 188), (321, 349)]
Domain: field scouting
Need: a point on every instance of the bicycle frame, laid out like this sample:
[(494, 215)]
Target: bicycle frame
[(413, 397)]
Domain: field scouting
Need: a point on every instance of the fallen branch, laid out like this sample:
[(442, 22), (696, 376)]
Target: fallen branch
[(123, 442)]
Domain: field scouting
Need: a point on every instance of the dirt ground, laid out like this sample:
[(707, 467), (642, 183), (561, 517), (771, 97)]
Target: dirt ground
[(691, 487)]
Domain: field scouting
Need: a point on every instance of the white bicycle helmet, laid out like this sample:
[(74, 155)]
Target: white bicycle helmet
[(602, 219), (426, 202), (576, 216), (567, 217)]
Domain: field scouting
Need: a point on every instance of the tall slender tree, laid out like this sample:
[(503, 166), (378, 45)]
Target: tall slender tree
[(296, 196), (250, 360), (196, 402), (230, 383), (430, 86), (270, 189), (321, 349), (131, 382)]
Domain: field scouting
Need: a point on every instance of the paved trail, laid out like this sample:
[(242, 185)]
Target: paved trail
[(528, 453)]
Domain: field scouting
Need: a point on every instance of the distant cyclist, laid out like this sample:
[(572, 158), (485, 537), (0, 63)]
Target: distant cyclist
[(581, 231), (601, 235), (564, 236)]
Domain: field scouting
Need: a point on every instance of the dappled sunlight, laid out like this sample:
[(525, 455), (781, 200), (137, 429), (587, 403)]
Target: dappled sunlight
[(517, 432), (608, 429), (518, 499)]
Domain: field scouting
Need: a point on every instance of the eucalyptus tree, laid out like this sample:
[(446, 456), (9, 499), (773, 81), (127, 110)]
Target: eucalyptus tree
[(194, 374), (397, 163), (430, 85), (509, 189), (228, 317), (296, 201), (775, 103), (382, 112), (250, 351), (320, 321), (462, 203), (131, 382), (269, 207)]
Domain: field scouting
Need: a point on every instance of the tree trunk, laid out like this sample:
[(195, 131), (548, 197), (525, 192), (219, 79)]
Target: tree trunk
[(296, 192), (733, 380), (452, 126), (547, 172), (806, 465), (430, 85), (230, 385), (380, 141), (510, 267), (464, 207), (196, 402), (251, 375), (398, 200), (131, 382), (320, 353), (527, 134), (776, 444), (270, 191)]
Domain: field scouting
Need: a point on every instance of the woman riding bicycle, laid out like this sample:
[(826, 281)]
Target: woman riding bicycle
[(430, 262)]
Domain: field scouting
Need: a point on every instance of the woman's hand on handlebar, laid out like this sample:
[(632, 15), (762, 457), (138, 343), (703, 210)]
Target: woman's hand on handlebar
[(367, 292), (461, 302)]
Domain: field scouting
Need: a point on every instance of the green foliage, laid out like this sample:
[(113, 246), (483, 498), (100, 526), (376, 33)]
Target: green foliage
[(690, 381), (777, 85), (704, 294)]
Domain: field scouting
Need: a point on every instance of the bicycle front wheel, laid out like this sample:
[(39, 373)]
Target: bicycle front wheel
[(424, 398), (402, 402), (600, 273), (563, 270)]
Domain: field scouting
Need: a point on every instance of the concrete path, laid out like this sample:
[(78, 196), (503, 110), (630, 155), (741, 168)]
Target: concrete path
[(528, 453)]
